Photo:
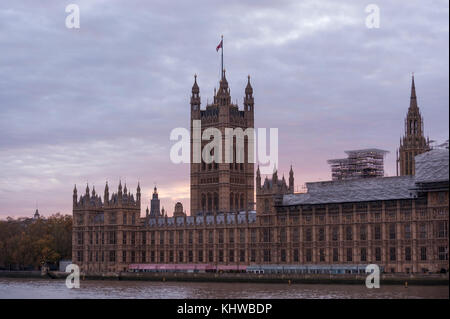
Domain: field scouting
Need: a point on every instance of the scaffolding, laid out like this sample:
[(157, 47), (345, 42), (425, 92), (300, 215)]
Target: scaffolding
[(363, 163)]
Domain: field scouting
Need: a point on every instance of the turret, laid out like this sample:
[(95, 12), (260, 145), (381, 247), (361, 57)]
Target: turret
[(291, 180), (87, 190), (119, 192), (223, 96), (248, 99), (275, 177), (138, 194), (106, 195), (75, 196), (195, 97), (258, 179)]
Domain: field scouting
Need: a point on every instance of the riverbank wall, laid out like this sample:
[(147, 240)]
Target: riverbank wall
[(388, 279)]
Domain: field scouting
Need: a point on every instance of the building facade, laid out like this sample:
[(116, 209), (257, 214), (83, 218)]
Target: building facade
[(413, 142), (399, 223)]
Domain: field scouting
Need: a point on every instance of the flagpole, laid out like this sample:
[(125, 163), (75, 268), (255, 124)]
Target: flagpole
[(222, 57)]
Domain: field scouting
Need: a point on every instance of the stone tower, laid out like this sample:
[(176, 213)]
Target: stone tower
[(155, 204), (413, 142), (221, 186)]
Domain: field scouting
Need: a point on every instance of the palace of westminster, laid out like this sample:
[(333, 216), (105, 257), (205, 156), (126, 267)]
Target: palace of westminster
[(399, 223)]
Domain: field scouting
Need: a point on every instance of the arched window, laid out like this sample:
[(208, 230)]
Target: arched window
[(236, 201), (242, 202), (203, 202), (231, 201), (266, 206), (209, 202), (216, 202)]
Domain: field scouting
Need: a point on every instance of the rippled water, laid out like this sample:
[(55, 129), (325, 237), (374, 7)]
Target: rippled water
[(47, 288)]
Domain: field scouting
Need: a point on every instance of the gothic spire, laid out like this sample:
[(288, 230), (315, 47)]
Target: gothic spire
[(248, 88), (413, 99)]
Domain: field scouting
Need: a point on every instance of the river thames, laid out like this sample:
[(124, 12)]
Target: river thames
[(15, 288)]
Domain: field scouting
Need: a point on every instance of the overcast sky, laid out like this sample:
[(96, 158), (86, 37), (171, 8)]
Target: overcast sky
[(98, 103)]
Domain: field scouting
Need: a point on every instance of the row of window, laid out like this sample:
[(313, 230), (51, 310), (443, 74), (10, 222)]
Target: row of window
[(210, 202), (267, 235), (265, 253)]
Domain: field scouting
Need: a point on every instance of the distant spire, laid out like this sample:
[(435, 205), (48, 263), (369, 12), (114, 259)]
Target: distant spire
[(248, 88), (413, 101), (195, 88)]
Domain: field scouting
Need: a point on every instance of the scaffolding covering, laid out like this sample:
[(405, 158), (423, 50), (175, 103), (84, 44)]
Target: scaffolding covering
[(358, 164)]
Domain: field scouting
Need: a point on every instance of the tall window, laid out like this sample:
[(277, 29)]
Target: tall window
[(408, 253), (423, 231), (191, 237), (308, 234), (377, 232), (210, 237), (283, 237), (242, 255), (408, 231), (220, 236), (266, 235), (266, 206), (308, 254), (377, 253), (443, 253), (349, 254), (321, 234), (231, 235), (242, 236), (203, 202), (253, 235), (295, 235), (216, 202), (363, 254), (322, 255), (363, 232), (200, 237), (231, 256), (349, 233), (335, 234), (296, 259), (253, 255), (335, 254), (210, 256), (180, 237), (391, 231), (442, 230), (392, 255), (423, 253)]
